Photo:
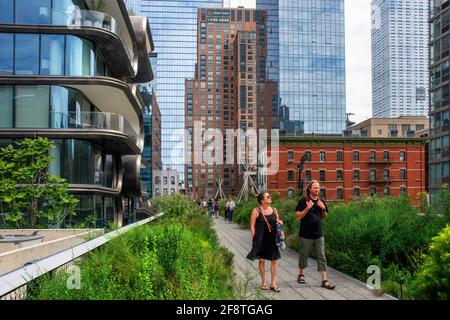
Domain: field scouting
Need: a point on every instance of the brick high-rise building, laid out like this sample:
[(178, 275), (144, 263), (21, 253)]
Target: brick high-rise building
[(226, 93)]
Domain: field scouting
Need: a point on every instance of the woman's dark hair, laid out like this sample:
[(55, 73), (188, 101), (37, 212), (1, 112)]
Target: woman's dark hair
[(260, 197)]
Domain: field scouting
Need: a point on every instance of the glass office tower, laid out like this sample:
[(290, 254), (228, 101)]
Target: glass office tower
[(439, 157), (174, 30), (309, 64)]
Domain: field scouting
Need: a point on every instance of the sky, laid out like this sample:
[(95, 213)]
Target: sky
[(358, 55)]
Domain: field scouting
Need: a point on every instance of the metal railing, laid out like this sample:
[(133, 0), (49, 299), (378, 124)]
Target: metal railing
[(75, 18), (16, 279), (94, 120)]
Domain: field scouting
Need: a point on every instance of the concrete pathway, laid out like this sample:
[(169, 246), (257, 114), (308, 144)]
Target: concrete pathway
[(238, 241)]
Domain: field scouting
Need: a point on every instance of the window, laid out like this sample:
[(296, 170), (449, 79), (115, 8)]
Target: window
[(386, 155), (290, 156), (339, 156), (172, 180), (290, 175), (308, 155), (157, 181), (339, 194), (322, 156), (33, 11), (402, 174), (27, 54), (172, 191), (402, 156), (322, 175), (290, 193), (386, 191), (6, 106), (165, 191), (6, 11), (373, 191), (373, 175), (379, 132), (373, 156), (80, 58), (355, 156), (52, 55), (165, 180), (339, 175), (6, 53), (356, 175), (402, 191), (308, 175), (356, 192), (32, 106), (386, 174)]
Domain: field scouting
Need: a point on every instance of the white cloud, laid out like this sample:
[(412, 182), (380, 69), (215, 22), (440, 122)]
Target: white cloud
[(236, 3), (358, 58)]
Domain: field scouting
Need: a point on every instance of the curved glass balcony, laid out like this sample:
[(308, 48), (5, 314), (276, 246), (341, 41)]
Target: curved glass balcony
[(69, 13), (87, 18), (92, 120)]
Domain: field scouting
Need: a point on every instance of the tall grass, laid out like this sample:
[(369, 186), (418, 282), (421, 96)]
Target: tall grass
[(176, 258), (388, 232)]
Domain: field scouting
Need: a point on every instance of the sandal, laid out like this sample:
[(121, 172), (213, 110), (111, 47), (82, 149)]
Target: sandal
[(326, 284), (301, 278), (276, 289), (264, 287)]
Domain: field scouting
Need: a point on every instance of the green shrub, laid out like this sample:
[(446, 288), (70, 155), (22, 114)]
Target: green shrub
[(433, 277), (166, 260)]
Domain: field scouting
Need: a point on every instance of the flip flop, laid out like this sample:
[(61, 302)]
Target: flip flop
[(264, 288), (276, 289)]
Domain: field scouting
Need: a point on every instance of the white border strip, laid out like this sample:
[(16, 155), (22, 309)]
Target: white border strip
[(17, 278)]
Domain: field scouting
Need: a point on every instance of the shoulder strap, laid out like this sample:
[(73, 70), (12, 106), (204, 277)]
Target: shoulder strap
[(265, 219)]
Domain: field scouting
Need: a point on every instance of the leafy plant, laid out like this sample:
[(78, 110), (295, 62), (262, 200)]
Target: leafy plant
[(433, 277), (29, 195)]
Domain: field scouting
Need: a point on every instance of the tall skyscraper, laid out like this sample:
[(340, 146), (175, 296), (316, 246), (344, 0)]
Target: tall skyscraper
[(440, 95), (174, 29), (399, 58), (306, 54), (229, 91)]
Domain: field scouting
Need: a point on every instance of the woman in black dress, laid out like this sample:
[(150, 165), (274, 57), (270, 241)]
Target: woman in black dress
[(262, 224)]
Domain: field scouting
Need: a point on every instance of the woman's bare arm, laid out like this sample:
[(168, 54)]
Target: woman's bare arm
[(253, 221)]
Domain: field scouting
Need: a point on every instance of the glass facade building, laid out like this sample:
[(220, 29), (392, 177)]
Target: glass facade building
[(174, 29), (60, 79), (399, 58), (306, 54), (439, 159)]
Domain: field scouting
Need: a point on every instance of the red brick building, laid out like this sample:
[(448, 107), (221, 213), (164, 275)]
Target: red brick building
[(349, 167)]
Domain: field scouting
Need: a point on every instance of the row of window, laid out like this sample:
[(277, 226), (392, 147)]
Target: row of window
[(44, 106), (50, 55), (81, 162), (356, 192), (165, 192), (340, 156), (356, 175), (165, 180), (37, 11)]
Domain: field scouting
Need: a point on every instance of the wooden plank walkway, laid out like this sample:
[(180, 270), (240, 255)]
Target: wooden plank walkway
[(238, 241)]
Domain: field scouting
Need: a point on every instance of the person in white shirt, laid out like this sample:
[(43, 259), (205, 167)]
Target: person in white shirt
[(230, 205)]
